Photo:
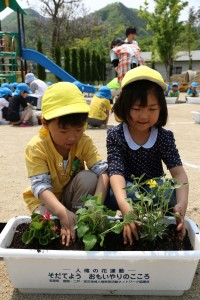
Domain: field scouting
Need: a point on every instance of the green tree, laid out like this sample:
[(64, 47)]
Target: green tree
[(82, 65), (103, 69), (74, 64), (58, 57), (94, 74), (87, 66), (191, 33), (67, 62), (98, 68), (165, 24), (40, 70), (59, 12)]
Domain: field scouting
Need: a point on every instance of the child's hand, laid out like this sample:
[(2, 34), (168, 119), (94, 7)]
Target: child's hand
[(67, 228), (180, 221), (129, 231)]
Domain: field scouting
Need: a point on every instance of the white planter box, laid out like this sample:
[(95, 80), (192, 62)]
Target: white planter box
[(171, 100), (193, 100), (196, 116), (104, 272)]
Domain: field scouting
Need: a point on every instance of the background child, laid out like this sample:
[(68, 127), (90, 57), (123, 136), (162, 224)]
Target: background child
[(168, 88), (37, 87), (15, 115), (56, 158), (5, 94), (140, 144), (100, 108), (192, 91), (174, 92), (125, 57)]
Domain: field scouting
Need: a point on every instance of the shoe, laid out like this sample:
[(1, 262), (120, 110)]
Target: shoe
[(25, 124), (103, 126), (4, 122)]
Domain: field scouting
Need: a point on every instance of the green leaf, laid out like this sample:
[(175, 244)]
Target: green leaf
[(89, 240), (99, 198), (34, 215), (43, 240), (82, 229), (111, 213), (130, 217), (118, 229), (37, 225), (137, 195), (90, 203), (81, 211), (27, 237)]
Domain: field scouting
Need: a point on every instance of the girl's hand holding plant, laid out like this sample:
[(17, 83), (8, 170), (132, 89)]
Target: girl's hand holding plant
[(130, 229), (179, 211), (151, 214)]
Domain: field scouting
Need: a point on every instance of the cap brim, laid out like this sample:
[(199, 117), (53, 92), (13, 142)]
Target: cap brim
[(160, 83), (66, 110), (143, 73)]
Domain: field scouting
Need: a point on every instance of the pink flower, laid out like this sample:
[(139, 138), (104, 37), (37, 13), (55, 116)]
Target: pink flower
[(55, 228), (47, 216)]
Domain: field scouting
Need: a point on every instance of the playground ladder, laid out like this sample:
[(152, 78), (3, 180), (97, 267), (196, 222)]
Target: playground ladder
[(8, 57)]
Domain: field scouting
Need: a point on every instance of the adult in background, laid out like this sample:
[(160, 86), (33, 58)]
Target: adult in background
[(124, 57), (130, 35), (37, 87)]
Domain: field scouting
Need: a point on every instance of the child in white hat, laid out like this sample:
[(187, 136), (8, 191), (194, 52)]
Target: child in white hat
[(174, 92), (192, 91)]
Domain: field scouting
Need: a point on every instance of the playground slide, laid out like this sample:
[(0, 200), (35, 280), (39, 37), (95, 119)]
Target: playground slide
[(44, 61)]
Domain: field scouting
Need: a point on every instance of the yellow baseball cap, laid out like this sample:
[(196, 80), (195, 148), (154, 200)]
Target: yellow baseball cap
[(143, 73), (63, 98)]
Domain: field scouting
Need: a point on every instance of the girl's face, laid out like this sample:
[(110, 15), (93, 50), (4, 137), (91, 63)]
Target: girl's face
[(63, 138), (143, 118)]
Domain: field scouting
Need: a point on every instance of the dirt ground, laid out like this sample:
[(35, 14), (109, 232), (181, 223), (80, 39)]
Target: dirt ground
[(13, 180)]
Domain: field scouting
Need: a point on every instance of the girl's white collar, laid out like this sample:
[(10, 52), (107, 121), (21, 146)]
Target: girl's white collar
[(149, 143)]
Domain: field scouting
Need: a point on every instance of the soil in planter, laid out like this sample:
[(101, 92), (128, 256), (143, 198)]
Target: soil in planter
[(112, 242)]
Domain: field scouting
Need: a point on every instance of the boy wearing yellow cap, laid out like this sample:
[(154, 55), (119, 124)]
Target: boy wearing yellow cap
[(55, 158)]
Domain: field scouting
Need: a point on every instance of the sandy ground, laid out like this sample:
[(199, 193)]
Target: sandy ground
[(13, 180)]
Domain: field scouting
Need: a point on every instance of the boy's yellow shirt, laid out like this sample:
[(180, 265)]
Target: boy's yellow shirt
[(42, 157), (98, 108)]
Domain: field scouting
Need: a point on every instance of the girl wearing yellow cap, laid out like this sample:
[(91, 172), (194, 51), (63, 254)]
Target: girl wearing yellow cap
[(140, 144)]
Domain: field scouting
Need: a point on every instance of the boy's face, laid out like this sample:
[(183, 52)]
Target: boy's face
[(193, 88), (175, 88), (63, 138)]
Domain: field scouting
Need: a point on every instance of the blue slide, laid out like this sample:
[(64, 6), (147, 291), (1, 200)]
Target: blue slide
[(44, 61)]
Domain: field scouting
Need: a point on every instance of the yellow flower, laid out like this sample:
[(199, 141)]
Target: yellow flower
[(152, 183)]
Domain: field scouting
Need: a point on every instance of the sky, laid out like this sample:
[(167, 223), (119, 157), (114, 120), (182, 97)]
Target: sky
[(94, 5)]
